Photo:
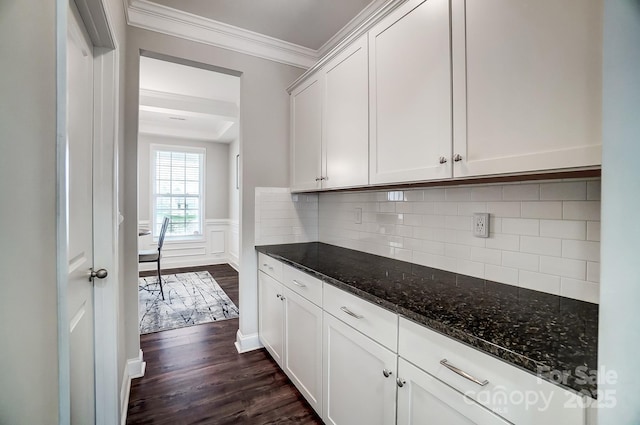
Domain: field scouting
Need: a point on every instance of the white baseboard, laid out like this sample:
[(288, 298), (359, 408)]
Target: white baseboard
[(246, 343), (134, 368)]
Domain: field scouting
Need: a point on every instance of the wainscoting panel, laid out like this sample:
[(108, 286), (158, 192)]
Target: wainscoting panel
[(219, 245)]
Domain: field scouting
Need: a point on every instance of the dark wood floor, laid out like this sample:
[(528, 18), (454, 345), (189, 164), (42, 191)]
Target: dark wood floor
[(195, 375)]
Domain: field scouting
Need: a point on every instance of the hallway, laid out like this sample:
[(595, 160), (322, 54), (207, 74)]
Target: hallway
[(195, 375)]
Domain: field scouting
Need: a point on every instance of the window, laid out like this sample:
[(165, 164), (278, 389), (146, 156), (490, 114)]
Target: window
[(177, 176)]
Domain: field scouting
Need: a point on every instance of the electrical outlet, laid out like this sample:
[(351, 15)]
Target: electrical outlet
[(481, 225), (358, 215)]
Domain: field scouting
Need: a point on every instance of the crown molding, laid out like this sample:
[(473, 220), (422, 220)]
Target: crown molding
[(155, 17), (166, 20)]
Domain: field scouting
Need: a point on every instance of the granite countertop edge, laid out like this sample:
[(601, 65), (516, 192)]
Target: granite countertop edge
[(488, 347)]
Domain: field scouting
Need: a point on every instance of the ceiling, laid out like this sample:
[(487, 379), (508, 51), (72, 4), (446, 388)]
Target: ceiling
[(188, 103), (308, 23)]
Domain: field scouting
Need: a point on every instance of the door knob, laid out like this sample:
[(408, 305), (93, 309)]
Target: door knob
[(457, 157), (443, 160), (386, 373), (100, 274), (400, 382)]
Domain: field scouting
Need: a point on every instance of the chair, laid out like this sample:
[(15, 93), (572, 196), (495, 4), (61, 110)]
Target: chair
[(154, 255)]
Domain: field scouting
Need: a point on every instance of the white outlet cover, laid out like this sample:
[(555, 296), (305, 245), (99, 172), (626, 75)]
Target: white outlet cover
[(481, 225)]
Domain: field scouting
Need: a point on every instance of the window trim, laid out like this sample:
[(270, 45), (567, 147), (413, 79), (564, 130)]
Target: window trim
[(153, 148)]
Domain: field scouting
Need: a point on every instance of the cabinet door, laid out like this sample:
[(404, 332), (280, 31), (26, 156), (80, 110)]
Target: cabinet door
[(424, 400), (410, 92), (356, 390), (306, 134), (303, 345), (345, 135), (271, 316), (527, 83)]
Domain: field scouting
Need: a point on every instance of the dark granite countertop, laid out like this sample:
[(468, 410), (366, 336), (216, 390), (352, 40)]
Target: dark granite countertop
[(548, 335)]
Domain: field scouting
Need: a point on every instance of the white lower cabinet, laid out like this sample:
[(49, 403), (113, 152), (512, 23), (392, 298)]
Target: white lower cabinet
[(424, 400), (303, 347), (271, 316), (290, 328), (357, 390)]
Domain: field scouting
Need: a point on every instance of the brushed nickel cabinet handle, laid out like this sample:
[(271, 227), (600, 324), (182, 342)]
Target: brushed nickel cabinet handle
[(443, 160), (457, 157), (462, 373), (351, 313), (301, 285), (400, 382), (387, 373)]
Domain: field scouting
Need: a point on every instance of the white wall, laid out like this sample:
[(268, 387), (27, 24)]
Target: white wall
[(544, 236), (619, 336), (264, 135), (28, 357), (216, 172)]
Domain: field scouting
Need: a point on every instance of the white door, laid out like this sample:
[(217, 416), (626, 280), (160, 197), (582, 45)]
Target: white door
[(306, 135), (527, 85), (410, 94), (357, 391), (80, 219), (271, 316), (424, 400), (345, 117), (303, 347)]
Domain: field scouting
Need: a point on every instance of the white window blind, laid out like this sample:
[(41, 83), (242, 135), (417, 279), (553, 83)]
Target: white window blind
[(178, 181)]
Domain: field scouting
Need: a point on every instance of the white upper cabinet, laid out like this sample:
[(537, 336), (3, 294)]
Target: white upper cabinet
[(345, 136), (410, 94), (527, 83), (306, 134)]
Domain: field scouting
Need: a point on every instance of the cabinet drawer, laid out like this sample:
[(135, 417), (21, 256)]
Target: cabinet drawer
[(514, 394), (303, 284), (375, 322), (270, 266)]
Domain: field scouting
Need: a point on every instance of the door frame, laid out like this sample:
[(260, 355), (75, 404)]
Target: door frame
[(97, 19)]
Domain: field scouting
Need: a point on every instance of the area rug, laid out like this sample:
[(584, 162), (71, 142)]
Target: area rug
[(189, 299)]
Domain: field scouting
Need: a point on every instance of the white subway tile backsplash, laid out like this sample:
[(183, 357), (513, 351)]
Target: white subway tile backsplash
[(457, 194), (575, 210), (503, 242), (581, 250), (504, 209), (543, 246), (540, 233), (486, 193), (470, 268), (580, 289), (593, 271), (501, 274), (521, 192), (469, 208), (521, 226), (434, 194), (593, 190), (445, 208), (548, 210), (486, 255), (414, 195), (563, 267), (539, 282), (564, 191), (563, 229), (520, 260), (593, 231)]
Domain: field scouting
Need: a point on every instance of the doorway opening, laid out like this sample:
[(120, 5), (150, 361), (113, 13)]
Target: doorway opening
[(189, 179)]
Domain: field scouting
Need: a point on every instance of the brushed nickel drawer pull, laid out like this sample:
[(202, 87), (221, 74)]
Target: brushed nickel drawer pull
[(462, 373), (351, 313), (302, 285)]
